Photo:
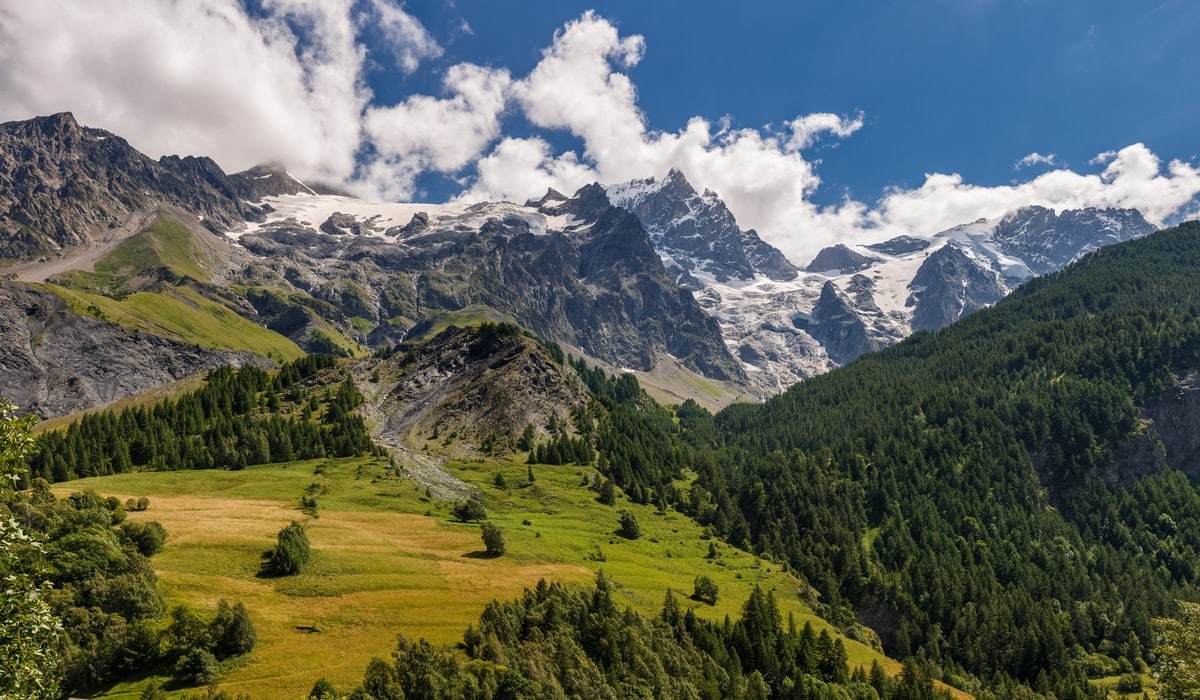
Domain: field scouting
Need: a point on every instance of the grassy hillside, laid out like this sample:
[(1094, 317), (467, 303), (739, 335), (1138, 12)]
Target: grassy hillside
[(183, 314), (388, 560)]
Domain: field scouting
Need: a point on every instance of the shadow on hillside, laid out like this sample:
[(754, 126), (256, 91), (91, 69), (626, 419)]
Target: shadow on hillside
[(482, 554)]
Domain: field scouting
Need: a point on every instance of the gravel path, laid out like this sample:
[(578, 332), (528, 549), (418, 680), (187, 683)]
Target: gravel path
[(427, 471)]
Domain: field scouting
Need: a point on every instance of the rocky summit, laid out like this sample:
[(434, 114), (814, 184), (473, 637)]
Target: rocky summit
[(785, 325)]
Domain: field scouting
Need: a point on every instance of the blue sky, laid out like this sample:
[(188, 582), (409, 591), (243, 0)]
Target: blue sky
[(966, 86), (817, 122)]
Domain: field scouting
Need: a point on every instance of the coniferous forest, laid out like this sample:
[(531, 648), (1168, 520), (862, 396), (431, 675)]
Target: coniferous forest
[(987, 497), (238, 418)]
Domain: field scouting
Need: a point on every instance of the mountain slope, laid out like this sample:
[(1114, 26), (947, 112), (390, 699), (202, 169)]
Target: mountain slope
[(576, 271), (1008, 477), (62, 184), (781, 323)]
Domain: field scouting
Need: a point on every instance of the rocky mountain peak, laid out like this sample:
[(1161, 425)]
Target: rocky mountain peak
[(62, 184), (839, 259), (696, 235)]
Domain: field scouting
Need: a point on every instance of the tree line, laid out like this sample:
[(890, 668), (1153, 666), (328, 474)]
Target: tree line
[(238, 418), (558, 641)]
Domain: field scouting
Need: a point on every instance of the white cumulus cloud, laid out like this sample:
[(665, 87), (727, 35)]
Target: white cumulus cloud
[(1036, 158), (428, 134), (288, 84)]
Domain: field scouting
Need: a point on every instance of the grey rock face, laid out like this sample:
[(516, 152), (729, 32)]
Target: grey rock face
[(698, 233), (598, 285), (839, 259), (950, 285), (54, 362), (900, 245), (62, 184), (838, 327), (1047, 241), (1175, 422)]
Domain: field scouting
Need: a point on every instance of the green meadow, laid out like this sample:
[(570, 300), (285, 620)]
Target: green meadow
[(389, 560)]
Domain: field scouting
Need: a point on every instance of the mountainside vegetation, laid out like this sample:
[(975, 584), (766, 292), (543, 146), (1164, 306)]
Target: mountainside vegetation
[(239, 417), (987, 497), (560, 642)]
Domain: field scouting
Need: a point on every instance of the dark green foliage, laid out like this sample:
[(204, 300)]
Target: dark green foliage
[(323, 690), (290, 553), (468, 510), (971, 484), (563, 449), (525, 442), (222, 425), (198, 667), (231, 631), (568, 642), (115, 623), (500, 482), (147, 537), (628, 527), (104, 591), (705, 590), (493, 540), (607, 493)]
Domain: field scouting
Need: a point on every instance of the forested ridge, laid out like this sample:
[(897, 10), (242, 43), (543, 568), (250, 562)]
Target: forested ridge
[(238, 418), (966, 492), (568, 642)]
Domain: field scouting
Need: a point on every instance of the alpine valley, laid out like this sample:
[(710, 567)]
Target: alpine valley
[(277, 421)]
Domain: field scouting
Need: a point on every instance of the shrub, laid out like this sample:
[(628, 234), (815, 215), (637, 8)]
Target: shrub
[(468, 510), (291, 552), (1129, 683), (323, 690), (148, 538), (232, 632), (705, 590), (608, 493), (493, 539), (199, 667), (629, 528)]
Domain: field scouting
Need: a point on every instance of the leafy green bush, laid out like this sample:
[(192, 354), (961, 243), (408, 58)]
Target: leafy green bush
[(291, 553), (493, 540)]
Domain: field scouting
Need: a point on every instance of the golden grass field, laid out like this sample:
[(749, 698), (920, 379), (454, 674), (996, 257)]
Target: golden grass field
[(387, 560)]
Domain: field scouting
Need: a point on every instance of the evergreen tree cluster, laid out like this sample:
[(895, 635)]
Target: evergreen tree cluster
[(973, 488), (104, 592), (559, 641), (239, 418)]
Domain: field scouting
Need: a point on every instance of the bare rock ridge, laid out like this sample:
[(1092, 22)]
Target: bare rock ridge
[(54, 362), (480, 385), (62, 183), (696, 233)]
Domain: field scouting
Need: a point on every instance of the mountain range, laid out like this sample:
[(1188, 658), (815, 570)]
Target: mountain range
[(648, 276), (786, 324)]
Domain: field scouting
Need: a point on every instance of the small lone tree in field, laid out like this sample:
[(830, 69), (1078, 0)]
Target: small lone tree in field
[(493, 540), (468, 510), (705, 591), (629, 529), (291, 552)]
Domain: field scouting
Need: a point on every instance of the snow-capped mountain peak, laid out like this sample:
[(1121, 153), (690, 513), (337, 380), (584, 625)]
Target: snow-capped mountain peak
[(696, 234)]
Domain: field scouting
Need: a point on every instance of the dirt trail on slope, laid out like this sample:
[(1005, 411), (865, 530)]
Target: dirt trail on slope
[(427, 471), (80, 257)]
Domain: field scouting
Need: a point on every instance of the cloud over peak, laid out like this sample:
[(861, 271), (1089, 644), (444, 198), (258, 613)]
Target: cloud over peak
[(288, 84)]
